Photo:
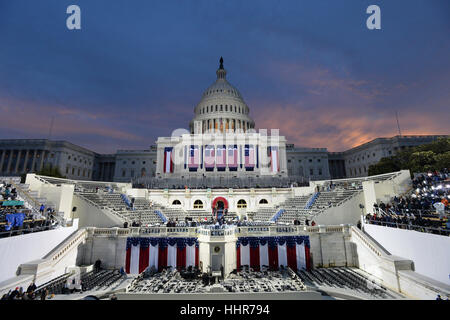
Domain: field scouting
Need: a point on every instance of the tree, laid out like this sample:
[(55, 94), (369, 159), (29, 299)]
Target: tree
[(385, 165), (51, 172), (427, 157), (442, 145), (422, 161), (443, 161)]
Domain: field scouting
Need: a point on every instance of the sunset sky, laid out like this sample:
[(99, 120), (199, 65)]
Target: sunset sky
[(138, 68)]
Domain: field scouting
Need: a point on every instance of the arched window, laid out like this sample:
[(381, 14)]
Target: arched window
[(198, 204), (176, 203), (263, 201), (242, 204)]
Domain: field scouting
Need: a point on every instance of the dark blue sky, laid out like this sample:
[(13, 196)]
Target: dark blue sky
[(137, 68)]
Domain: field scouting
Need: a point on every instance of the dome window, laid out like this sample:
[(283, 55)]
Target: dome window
[(176, 203), (263, 201)]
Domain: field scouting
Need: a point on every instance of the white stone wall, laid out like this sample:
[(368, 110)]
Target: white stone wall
[(21, 249), (251, 196), (429, 252), (346, 213), (331, 249), (90, 215), (110, 250)]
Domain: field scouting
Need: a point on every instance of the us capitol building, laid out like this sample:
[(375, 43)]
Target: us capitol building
[(221, 147)]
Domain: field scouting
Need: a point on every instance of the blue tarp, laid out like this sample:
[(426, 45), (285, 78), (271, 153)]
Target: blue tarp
[(163, 218), (14, 220), (311, 200), (277, 215)]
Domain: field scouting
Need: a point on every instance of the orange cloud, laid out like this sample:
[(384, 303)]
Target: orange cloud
[(36, 120), (340, 129)]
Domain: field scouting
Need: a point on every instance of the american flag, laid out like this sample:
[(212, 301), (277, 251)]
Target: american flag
[(275, 164), (193, 157), (232, 156), (221, 156), (209, 157), (168, 163), (249, 155)]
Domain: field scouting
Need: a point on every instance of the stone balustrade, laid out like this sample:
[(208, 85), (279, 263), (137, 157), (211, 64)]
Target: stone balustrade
[(247, 231)]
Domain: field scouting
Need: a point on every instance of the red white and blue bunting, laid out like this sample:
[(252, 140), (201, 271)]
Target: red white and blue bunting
[(160, 253), (274, 159), (273, 252), (168, 160)]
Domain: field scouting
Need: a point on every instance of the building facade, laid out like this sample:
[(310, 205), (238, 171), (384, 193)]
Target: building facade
[(310, 163), (358, 159), (132, 164), (20, 156)]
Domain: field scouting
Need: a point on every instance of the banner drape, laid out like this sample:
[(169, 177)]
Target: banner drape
[(172, 256), (245, 255), (153, 256), (134, 261), (263, 255), (282, 255)]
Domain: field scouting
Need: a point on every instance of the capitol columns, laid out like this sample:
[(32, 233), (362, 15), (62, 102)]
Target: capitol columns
[(159, 159), (8, 168), (34, 160), (16, 167), (41, 164), (263, 145), (2, 159), (25, 162)]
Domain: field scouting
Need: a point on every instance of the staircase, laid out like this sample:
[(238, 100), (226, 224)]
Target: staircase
[(33, 201), (116, 204)]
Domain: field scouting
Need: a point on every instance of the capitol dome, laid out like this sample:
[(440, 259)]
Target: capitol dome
[(222, 108)]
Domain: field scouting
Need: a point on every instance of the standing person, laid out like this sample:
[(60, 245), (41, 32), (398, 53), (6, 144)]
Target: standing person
[(31, 287), (44, 294), (375, 207), (97, 265), (41, 209), (440, 209), (14, 294)]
